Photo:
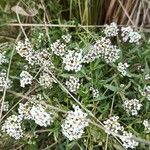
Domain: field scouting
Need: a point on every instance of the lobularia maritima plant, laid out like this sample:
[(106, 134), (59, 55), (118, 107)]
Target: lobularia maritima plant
[(95, 69)]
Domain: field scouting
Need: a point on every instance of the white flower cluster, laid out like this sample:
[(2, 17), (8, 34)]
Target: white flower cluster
[(73, 84), (3, 58), (40, 37), (25, 50), (147, 91), (58, 48), (146, 124), (112, 125), (5, 106), (128, 34), (127, 140), (66, 38), (95, 92), (110, 53), (40, 116), (122, 68), (74, 124), (12, 126), (147, 77), (4, 82), (46, 80), (111, 30), (25, 78), (72, 61), (132, 106), (102, 49), (35, 111)]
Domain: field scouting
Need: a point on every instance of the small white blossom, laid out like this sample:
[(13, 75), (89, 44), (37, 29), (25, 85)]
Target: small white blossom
[(66, 38), (58, 48), (122, 67), (24, 49), (12, 126), (74, 124), (4, 82), (73, 84), (147, 77), (132, 106), (72, 61), (3, 58), (5, 106), (127, 140), (111, 30), (40, 37), (146, 124), (46, 80), (112, 125), (25, 78), (129, 35), (95, 92), (147, 92), (40, 116), (24, 110)]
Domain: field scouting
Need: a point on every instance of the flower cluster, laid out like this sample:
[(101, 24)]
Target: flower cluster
[(122, 67), (4, 82), (66, 38), (40, 116), (58, 48), (111, 30), (146, 124), (147, 91), (35, 111), (72, 61), (74, 124), (25, 78), (46, 80), (147, 77), (127, 140), (12, 126), (3, 58), (128, 34), (95, 92), (24, 49), (73, 84), (5, 106), (132, 106), (112, 125)]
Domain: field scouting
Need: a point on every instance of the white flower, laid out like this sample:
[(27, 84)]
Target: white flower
[(73, 84), (40, 116), (111, 30), (147, 92), (12, 126), (25, 78), (146, 124), (112, 125), (129, 35), (74, 124), (132, 106), (122, 67), (66, 38), (127, 140), (58, 48), (97, 50), (4, 82), (95, 92), (46, 80), (72, 61), (3, 58), (5, 106), (24, 110), (147, 77)]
